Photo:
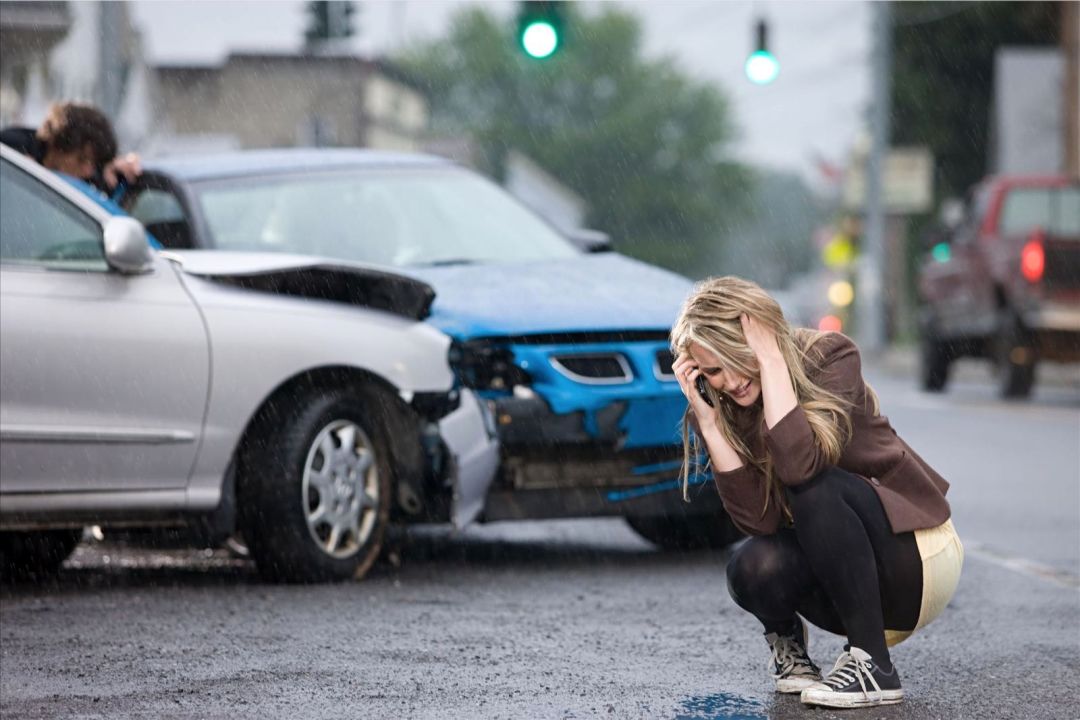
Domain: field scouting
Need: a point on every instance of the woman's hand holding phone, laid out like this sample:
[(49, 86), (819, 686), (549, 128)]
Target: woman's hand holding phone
[(692, 382), (689, 376)]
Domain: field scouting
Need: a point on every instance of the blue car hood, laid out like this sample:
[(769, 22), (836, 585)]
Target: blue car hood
[(590, 293)]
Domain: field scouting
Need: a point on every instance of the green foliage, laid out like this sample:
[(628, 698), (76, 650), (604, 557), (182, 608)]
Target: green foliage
[(643, 144), (943, 76)]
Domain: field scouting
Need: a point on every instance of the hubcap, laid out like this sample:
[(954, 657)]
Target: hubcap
[(340, 489)]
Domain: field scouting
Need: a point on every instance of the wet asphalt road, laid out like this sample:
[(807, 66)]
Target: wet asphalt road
[(571, 619)]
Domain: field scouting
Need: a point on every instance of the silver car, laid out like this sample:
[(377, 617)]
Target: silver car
[(300, 401)]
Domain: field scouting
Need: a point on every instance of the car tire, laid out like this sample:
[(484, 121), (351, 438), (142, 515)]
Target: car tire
[(1015, 357), (686, 532), (935, 357), (314, 487), (30, 555)]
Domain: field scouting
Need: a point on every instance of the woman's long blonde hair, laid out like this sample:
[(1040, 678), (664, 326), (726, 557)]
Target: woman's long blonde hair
[(710, 317)]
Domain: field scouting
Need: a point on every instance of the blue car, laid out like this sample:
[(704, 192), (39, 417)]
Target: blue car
[(566, 340)]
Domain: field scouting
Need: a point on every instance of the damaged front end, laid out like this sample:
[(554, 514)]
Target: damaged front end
[(443, 444), (588, 423), (459, 456)]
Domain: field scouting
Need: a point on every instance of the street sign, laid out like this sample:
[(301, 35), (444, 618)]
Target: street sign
[(908, 181)]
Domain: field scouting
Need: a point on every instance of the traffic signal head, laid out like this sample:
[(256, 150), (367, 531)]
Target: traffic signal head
[(540, 28), (762, 67), (941, 252), (330, 19)]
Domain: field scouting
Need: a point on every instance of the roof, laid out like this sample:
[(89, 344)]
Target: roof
[(264, 162), (382, 65)]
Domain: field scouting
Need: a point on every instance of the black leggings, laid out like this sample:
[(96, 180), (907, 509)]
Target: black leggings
[(842, 567)]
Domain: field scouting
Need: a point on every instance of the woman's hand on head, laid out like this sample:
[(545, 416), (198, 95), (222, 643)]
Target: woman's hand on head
[(762, 341), (687, 372), (777, 390)]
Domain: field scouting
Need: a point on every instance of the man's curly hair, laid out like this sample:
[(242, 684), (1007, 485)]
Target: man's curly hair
[(70, 127)]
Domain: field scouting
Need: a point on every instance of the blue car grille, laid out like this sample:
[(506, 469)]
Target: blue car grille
[(663, 368), (594, 368)]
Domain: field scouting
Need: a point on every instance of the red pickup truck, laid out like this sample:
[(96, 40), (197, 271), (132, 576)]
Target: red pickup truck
[(1004, 284)]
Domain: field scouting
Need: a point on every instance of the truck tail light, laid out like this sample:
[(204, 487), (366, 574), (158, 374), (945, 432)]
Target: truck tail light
[(1033, 257)]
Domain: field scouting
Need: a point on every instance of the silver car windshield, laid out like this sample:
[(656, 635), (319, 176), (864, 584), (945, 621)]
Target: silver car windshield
[(386, 217)]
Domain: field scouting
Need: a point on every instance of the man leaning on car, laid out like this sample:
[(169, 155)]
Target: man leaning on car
[(78, 140)]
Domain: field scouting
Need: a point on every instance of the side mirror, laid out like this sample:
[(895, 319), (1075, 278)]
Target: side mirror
[(126, 247), (591, 241)]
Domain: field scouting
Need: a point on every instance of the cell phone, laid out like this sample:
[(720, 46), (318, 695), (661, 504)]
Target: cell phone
[(700, 382)]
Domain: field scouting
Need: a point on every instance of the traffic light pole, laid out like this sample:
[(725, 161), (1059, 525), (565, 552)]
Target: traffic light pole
[(871, 300)]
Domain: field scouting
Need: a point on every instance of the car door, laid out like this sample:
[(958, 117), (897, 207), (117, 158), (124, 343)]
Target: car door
[(103, 376), (154, 202)]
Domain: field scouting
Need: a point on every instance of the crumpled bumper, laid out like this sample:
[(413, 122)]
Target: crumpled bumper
[(469, 435)]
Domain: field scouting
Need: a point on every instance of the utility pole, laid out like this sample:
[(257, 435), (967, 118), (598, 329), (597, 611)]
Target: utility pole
[(112, 36), (1070, 45), (871, 300)]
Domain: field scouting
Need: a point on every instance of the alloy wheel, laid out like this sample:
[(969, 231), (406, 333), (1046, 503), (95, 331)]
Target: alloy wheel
[(340, 489)]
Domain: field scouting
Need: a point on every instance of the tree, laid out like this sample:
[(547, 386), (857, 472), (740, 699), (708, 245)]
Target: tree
[(646, 146), (943, 76)]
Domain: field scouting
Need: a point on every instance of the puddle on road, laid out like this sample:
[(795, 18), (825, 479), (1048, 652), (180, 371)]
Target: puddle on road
[(722, 706)]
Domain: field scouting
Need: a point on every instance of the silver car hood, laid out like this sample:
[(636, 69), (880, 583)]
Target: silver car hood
[(310, 277)]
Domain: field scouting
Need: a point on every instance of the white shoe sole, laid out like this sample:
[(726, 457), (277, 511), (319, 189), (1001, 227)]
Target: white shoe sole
[(833, 699), (790, 686)]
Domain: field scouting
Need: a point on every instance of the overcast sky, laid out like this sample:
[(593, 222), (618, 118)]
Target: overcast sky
[(813, 109)]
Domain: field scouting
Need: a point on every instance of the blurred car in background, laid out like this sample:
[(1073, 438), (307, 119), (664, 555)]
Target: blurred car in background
[(1004, 283), (565, 340), (302, 402)]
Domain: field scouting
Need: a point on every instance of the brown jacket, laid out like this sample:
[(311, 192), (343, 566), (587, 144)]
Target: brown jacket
[(912, 493)]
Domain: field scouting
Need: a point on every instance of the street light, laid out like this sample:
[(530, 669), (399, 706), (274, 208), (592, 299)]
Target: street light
[(841, 293)]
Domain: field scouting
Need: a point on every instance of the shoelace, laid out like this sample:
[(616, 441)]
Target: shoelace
[(788, 658), (848, 669)]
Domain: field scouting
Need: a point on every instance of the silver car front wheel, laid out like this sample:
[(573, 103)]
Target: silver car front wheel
[(314, 485), (340, 489)]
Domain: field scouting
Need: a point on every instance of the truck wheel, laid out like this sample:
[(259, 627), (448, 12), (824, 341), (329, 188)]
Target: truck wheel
[(29, 555), (1015, 357), (314, 487), (685, 532), (934, 360)]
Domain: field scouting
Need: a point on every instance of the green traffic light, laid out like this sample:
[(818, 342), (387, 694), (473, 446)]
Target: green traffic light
[(762, 67), (941, 252), (540, 39)]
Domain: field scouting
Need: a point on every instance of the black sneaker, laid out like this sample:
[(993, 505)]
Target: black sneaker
[(855, 681), (790, 662)]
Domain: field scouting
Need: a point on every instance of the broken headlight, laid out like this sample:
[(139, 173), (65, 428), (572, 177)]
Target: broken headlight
[(483, 365)]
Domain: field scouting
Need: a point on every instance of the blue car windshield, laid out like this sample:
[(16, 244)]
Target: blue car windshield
[(386, 217)]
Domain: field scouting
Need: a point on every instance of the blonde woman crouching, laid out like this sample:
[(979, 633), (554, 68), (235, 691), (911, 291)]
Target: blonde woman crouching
[(850, 527)]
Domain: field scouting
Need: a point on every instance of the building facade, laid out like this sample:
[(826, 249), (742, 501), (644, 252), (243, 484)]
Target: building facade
[(28, 33), (263, 100)]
